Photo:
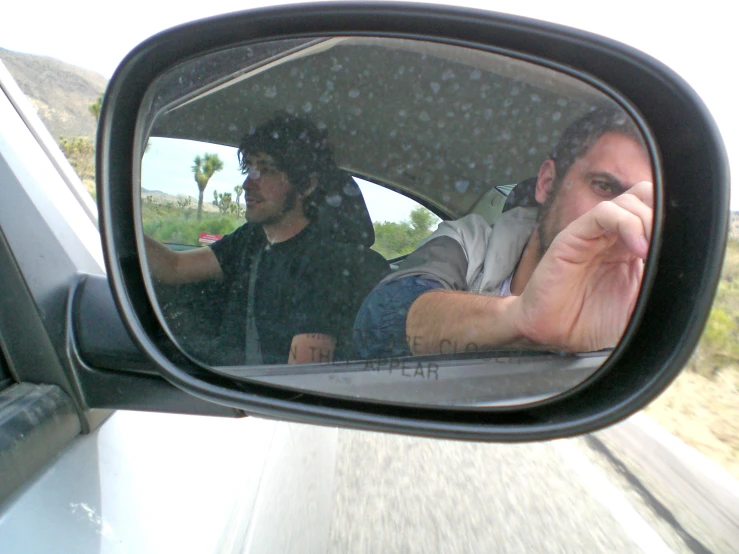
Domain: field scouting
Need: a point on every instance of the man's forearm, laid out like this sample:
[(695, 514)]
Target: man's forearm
[(453, 321), (162, 261), (190, 266), (312, 348)]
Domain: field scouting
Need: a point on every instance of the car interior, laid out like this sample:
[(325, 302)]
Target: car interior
[(460, 131)]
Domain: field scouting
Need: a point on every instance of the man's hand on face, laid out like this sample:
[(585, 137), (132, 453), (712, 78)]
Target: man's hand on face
[(584, 289)]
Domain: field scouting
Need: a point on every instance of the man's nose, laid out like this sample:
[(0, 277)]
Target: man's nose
[(252, 178)]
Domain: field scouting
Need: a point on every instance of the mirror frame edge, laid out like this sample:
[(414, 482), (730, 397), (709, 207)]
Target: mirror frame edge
[(595, 403)]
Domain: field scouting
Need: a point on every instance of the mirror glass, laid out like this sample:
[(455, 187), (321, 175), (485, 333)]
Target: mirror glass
[(397, 220)]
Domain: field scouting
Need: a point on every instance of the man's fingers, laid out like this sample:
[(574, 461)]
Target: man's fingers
[(615, 218), (644, 191), (632, 204)]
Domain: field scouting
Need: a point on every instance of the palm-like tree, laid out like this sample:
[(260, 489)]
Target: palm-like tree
[(203, 168), (94, 108), (239, 190)]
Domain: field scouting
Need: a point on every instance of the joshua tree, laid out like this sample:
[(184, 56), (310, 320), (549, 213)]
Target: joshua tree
[(239, 190), (94, 108), (203, 168), (222, 201), (183, 201)]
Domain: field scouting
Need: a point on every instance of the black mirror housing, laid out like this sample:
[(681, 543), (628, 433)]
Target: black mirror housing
[(681, 275)]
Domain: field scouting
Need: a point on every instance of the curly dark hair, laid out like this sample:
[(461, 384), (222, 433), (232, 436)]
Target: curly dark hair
[(578, 139), (298, 148), (585, 131)]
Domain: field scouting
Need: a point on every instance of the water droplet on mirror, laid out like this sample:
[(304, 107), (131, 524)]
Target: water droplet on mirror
[(334, 200), (476, 74), (354, 93), (448, 74), (423, 116), (307, 107), (351, 189), (461, 186), (270, 92), (556, 116), (436, 87)]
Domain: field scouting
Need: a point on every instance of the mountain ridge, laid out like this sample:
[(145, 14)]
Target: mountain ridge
[(59, 92)]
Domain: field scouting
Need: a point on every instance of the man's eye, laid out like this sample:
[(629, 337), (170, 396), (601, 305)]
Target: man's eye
[(605, 188)]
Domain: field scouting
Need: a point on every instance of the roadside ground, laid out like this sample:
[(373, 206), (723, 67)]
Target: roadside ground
[(704, 413)]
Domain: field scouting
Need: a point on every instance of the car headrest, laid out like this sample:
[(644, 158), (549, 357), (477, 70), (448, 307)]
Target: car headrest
[(343, 213), (523, 195)]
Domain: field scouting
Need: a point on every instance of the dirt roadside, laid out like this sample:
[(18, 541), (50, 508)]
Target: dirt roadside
[(704, 413)]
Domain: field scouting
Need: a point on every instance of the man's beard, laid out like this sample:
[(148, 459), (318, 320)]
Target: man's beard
[(546, 227), (291, 199)]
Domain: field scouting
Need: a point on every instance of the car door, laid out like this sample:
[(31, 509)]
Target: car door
[(118, 481)]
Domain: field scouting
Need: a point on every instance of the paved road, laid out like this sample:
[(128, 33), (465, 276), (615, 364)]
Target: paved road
[(401, 494)]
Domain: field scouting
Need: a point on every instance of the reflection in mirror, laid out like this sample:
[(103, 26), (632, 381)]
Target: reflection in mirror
[(407, 221)]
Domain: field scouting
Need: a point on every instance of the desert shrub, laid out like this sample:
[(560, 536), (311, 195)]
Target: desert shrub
[(181, 230), (720, 335), (170, 223), (719, 345)]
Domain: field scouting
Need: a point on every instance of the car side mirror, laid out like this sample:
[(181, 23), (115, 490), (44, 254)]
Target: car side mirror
[(449, 107)]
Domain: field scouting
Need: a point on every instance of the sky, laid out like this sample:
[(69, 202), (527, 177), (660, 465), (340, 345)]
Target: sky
[(698, 40)]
